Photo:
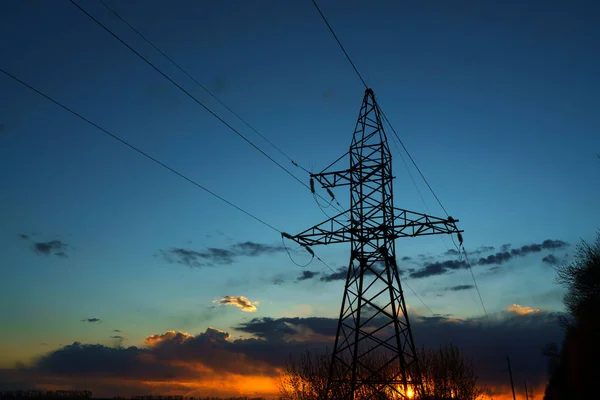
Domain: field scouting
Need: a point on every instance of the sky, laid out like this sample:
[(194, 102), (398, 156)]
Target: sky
[(105, 256)]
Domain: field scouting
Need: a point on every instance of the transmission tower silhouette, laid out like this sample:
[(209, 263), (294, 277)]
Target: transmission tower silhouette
[(374, 354)]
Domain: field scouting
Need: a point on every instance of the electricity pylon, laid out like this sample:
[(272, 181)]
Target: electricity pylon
[(374, 354)]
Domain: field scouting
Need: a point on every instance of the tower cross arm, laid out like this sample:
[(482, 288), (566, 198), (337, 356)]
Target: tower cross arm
[(333, 230), (338, 229), (410, 224), (333, 179)]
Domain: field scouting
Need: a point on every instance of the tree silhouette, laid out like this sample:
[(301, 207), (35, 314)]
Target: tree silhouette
[(445, 372), (576, 369)]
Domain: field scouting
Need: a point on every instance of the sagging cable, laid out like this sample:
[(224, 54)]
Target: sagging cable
[(286, 235)]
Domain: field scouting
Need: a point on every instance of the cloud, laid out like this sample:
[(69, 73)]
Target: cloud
[(91, 320), (23, 236), (118, 340), (240, 301), (278, 281), (340, 274), (459, 287), (116, 330), (550, 259), (451, 252), (505, 247), (406, 258), (218, 256), (522, 310), (213, 357), (168, 336), (496, 259), (53, 247), (438, 268), (307, 275)]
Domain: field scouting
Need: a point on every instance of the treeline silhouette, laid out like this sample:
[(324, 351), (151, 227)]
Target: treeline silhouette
[(46, 394), (86, 394), (445, 372), (574, 368)]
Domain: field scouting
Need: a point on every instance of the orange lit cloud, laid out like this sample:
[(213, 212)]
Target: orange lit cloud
[(178, 337), (240, 301), (522, 310)]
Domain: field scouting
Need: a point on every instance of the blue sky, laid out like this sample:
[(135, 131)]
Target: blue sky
[(497, 102)]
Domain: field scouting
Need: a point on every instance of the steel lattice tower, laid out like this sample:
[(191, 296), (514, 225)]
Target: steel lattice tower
[(374, 354)]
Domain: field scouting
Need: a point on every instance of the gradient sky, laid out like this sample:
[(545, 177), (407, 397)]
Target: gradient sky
[(497, 102)]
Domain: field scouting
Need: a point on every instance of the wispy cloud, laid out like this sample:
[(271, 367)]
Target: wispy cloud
[(340, 274), (438, 268), (550, 259), (496, 259), (218, 256), (241, 302), (307, 275), (92, 320), (459, 287)]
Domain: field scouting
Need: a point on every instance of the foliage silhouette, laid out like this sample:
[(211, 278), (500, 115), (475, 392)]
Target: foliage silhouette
[(446, 374), (575, 369)]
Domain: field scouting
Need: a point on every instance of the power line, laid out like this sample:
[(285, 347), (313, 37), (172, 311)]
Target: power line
[(340, 44), (421, 300), (190, 95), (131, 146), (382, 112), (475, 282), (413, 161), (148, 156), (203, 87)]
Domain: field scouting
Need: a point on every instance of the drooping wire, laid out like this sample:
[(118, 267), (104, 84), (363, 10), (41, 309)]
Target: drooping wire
[(290, 256), (312, 253), (244, 121), (340, 44), (382, 112), (131, 146), (189, 94), (154, 159), (413, 161), (475, 282), (417, 296)]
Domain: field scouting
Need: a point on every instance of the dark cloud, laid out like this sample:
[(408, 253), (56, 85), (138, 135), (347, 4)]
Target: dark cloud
[(486, 248), (496, 259), (406, 258), (505, 247), (307, 275), (459, 287), (91, 320), (116, 330), (278, 281), (218, 256), (340, 274), (451, 252), (252, 249), (23, 236), (550, 259), (173, 356), (438, 268), (55, 247)]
